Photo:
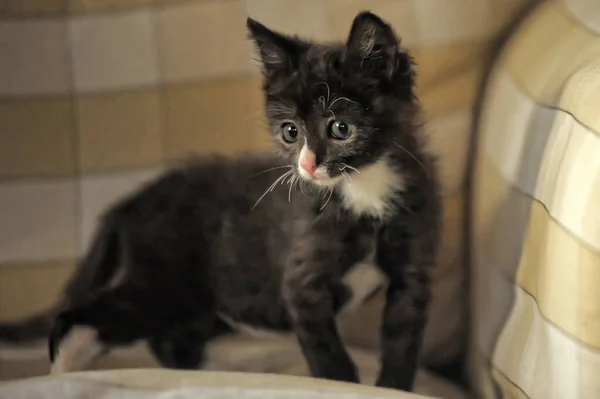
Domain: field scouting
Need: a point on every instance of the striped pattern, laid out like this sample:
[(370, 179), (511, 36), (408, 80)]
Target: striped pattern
[(97, 96), (536, 268)]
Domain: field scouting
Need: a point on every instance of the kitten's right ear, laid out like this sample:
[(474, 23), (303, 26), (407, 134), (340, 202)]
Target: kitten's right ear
[(278, 53)]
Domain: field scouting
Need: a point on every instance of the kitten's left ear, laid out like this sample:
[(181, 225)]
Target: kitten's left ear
[(373, 43)]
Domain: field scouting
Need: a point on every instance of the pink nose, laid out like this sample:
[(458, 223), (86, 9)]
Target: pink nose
[(308, 164)]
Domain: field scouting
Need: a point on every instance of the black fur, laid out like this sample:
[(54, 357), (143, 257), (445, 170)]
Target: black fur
[(191, 250)]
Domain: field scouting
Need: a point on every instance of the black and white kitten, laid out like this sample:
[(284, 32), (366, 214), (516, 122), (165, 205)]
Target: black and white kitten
[(268, 241)]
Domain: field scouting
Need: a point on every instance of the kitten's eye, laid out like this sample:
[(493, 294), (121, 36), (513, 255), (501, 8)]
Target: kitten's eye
[(289, 131), (339, 130)]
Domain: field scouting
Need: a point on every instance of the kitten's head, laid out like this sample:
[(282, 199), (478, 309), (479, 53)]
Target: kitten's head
[(335, 108)]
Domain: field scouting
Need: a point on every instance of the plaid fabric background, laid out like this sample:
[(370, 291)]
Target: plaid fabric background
[(97, 96), (537, 212)]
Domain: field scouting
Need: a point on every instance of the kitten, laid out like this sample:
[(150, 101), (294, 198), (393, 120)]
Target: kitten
[(270, 241)]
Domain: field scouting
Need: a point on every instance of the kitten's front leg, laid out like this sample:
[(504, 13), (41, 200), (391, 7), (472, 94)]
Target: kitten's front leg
[(406, 253), (308, 289), (402, 329)]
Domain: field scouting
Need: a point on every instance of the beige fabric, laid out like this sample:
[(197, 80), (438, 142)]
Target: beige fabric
[(165, 384), (242, 353), (97, 96), (536, 217)]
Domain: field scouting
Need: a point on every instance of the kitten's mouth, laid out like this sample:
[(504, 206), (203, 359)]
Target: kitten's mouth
[(320, 177)]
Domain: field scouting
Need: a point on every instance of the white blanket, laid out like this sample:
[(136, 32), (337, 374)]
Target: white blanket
[(237, 353), (169, 384)]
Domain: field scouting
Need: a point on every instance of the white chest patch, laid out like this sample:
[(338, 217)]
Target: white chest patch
[(369, 191)]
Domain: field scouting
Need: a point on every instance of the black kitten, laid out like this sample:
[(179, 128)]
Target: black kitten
[(206, 247)]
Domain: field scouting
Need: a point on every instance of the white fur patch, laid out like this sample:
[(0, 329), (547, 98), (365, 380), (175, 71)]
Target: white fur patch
[(77, 350), (363, 279), (369, 191), (251, 331)]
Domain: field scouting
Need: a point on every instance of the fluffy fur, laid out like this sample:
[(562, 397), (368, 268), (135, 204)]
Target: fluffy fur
[(271, 242)]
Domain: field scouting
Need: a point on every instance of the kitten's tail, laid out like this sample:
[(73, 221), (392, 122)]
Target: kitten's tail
[(29, 329), (95, 270)]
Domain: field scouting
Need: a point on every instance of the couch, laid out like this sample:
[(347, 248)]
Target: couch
[(99, 96)]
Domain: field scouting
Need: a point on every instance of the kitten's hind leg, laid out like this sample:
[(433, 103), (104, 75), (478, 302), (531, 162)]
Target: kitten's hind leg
[(116, 317), (182, 347)]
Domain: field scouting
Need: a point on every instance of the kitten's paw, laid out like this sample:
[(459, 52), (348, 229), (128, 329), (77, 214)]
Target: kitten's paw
[(399, 381), (181, 355), (339, 370), (72, 344)]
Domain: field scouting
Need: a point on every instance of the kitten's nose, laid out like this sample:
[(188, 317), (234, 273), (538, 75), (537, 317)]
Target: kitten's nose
[(307, 161), (308, 165)]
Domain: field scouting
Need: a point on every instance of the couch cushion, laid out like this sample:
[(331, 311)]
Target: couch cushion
[(168, 384), (536, 213)]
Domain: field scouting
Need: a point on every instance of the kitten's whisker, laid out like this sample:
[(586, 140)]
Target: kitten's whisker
[(291, 176), (270, 169), (328, 198), (412, 156), (343, 170), (345, 165), (283, 100), (292, 181), (272, 186), (328, 91), (407, 209), (278, 108), (300, 185), (279, 114), (281, 178), (342, 98)]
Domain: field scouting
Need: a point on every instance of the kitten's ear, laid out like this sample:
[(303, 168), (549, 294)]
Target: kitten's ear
[(373, 43), (278, 53)]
